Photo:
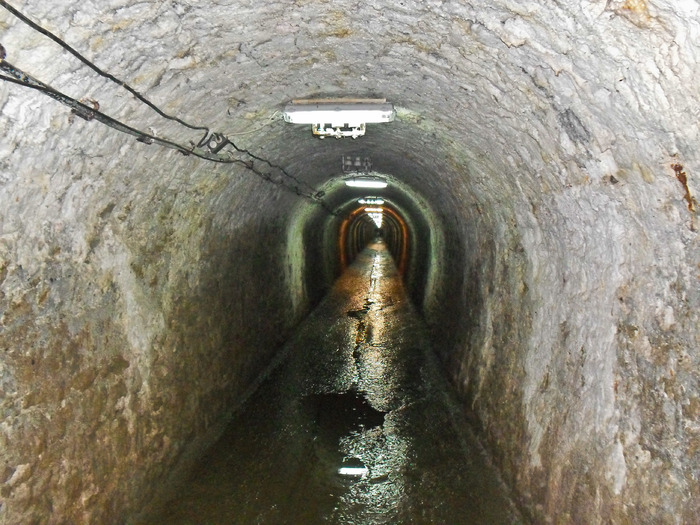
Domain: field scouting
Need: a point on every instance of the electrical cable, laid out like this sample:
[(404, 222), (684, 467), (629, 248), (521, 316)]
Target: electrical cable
[(17, 76), (197, 151), (273, 166), (270, 119), (95, 68)]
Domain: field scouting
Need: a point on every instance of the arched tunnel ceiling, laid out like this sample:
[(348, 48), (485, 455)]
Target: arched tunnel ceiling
[(488, 97), (505, 88), (533, 153)]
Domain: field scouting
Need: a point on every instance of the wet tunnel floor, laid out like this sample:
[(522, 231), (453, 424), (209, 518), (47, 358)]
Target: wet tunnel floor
[(356, 426)]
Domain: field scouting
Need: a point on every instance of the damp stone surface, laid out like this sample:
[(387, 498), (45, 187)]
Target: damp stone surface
[(543, 169)]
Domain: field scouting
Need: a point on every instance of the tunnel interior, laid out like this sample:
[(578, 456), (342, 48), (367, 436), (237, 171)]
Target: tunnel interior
[(542, 171)]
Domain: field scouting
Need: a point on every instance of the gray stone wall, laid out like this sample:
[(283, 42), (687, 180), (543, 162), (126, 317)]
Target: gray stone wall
[(142, 291)]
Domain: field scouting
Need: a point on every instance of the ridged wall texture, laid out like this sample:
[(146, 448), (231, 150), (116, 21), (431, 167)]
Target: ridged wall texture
[(544, 158)]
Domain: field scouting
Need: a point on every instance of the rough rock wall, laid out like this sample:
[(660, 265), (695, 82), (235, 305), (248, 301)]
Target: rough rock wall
[(582, 336), (562, 280), (581, 359), (131, 314)]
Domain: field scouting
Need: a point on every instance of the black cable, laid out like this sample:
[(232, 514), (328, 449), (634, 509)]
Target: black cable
[(99, 71), (145, 137), (88, 113), (274, 166)]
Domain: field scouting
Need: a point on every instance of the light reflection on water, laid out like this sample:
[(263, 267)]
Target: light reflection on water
[(374, 496), (351, 429), (360, 472), (375, 274)]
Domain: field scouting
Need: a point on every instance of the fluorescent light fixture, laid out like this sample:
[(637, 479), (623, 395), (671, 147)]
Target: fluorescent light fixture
[(371, 201), (339, 112), (366, 182), (375, 210), (339, 117), (353, 471)]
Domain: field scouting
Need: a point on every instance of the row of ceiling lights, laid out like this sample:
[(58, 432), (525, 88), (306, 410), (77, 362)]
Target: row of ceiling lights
[(347, 118), (357, 165)]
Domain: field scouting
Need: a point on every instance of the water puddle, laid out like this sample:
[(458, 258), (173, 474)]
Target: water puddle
[(344, 413), (349, 434), (362, 312), (337, 417), (358, 314)]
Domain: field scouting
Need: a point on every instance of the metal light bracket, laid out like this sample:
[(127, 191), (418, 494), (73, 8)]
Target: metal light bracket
[(322, 132)]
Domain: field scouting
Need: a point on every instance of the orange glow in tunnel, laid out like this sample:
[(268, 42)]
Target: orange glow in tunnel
[(357, 230)]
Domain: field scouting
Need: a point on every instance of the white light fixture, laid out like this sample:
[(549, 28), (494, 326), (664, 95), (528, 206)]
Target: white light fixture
[(373, 201), (366, 182), (339, 117), (374, 210), (353, 471)]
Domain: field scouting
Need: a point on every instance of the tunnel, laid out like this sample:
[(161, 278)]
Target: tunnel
[(542, 168)]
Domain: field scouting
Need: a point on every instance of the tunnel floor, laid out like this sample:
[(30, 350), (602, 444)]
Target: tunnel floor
[(356, 426)]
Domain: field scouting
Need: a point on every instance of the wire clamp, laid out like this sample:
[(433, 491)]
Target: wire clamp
[(214, 142), (87, 113)]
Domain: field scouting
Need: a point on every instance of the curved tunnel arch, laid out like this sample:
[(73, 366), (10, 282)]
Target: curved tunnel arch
[(416, 252), (552, 247), (358, 230)]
